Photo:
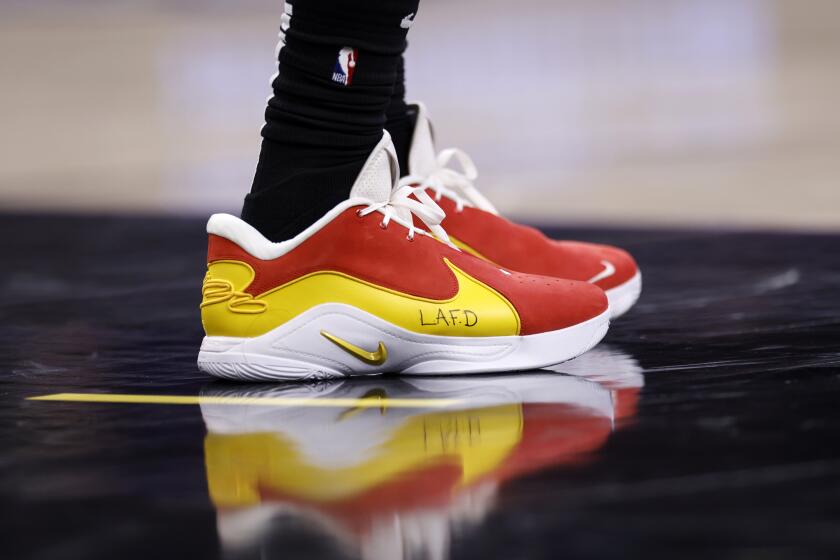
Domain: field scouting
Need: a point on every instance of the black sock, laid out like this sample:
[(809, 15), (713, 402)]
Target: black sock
[(326, 115), (400, 119)]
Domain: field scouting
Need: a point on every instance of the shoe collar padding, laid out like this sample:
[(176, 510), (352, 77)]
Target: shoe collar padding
[(379, 175)]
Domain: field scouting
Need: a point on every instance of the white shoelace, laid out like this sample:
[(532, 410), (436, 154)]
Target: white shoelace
[(408, 199), (454, 184)]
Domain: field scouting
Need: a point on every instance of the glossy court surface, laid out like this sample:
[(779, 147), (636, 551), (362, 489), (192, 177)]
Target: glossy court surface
[(706, 425)]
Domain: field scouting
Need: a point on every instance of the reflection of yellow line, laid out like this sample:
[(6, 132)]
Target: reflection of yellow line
[(261, 401)]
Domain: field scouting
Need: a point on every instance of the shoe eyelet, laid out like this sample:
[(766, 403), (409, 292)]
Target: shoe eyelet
[(359, 212), (383, 225), (410, 239)]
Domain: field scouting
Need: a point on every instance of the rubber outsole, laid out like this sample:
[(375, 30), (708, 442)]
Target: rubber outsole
[(297, 351)]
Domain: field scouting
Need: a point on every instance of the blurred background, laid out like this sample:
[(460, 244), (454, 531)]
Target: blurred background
[(622, 112)]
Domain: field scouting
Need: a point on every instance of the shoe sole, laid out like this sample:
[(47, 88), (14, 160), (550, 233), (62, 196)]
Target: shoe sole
[(624, 296), (297, 350)]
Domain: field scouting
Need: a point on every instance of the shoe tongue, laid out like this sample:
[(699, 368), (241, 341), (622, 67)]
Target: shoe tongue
[(380, 173), (422, 158)]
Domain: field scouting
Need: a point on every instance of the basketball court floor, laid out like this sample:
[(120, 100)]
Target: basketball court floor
[(705, 424), (701, 135)]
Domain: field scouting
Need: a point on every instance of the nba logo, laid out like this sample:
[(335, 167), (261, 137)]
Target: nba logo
[(345, 65)]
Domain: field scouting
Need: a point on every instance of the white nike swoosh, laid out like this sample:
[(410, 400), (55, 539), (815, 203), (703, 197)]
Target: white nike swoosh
[(407, 21), (608, 271)]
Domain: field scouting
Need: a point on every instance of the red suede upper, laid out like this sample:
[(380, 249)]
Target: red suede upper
[(359, 247), (527, 250)]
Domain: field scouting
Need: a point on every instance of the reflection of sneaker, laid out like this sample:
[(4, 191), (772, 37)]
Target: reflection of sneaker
[(613, 369), (353, 462), (475, 226), (364, 291)]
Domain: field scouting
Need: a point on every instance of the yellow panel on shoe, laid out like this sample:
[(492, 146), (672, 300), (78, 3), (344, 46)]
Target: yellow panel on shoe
[(475, 310)]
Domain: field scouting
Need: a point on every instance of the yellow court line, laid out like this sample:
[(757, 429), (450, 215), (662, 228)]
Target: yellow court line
[(259, 401)]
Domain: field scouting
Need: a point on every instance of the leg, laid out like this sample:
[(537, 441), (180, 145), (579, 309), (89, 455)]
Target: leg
[(401, 118), (338, 61)]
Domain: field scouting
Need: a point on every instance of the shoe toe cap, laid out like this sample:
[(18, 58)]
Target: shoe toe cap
[(547, 304), (605, 266), (624, 264)]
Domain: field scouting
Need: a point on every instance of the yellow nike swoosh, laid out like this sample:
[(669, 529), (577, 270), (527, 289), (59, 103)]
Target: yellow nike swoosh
[(373, 358), (476, 309)]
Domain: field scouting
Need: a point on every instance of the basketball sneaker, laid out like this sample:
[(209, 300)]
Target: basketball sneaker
[(475, 226), (364, 290)]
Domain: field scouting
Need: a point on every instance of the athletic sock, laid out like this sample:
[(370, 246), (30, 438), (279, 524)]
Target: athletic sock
[(400, 118), (337, 64)]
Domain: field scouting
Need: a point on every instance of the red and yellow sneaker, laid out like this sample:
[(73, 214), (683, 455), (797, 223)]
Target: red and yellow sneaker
[(364, 291), (475, 226)]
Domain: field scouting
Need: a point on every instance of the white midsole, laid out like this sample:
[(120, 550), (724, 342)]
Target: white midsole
[(297, 350), (624, 296)]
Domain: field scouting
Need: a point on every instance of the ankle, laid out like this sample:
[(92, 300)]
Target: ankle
[(400, 125), (285, 201)]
